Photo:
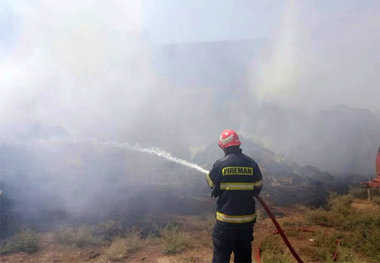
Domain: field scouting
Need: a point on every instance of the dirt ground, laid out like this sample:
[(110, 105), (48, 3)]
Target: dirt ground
[(200, 249), (52, 252)]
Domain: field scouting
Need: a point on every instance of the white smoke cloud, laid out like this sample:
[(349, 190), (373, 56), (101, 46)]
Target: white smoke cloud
[(87, 68), (323, 54), (75, 64)]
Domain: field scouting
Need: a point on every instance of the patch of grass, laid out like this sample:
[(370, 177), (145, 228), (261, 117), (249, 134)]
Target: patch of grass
[(358, 192), (79, 237), (208, 223), (365, 240), (260, 213), (118, 250), (376, 199), (121, 248), (25, 241), (150, 227), (325, 218), (359, 231), (272, 250), (326, 246), (134, 241), (348, 255), (109, 230), (337, 213), (175, 239)]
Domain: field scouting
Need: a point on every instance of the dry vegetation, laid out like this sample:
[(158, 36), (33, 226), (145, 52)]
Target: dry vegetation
[(25, 241), (349, 228), (175, 239), (79, 237), (348, 220), (358, 230)]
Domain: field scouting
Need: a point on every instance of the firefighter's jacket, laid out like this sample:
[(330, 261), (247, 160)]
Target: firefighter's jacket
[(235, 179)]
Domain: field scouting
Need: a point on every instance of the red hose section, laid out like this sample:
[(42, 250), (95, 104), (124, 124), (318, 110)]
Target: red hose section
[(266, 208), (336, 254), (258, 260), (303, 229)]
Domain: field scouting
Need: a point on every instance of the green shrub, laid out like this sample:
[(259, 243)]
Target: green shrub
[(359, 231), (348, 255), (79, 237), (339, 209), (376, 199), (326, 245), (341, 202), (358, 192), (175, 239), (134, 241), (366, 241), (120, 248), (25, 241), (260, 213), (117, 251), (109, 230), (273, 250), (325, 218)]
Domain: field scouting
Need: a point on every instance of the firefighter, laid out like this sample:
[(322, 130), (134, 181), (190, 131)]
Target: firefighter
[(234, 180)]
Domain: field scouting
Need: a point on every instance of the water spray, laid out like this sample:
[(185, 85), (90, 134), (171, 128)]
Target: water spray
[(168, 156), (137, 148)]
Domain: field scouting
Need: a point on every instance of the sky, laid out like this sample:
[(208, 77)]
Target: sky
[(89, 69)]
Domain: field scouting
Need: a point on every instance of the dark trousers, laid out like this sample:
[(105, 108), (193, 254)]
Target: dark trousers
[(228, 238)]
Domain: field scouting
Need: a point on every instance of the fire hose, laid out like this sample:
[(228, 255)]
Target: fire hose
[(270, 214)]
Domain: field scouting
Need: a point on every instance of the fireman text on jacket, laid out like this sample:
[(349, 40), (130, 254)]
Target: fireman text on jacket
[(237, 171)]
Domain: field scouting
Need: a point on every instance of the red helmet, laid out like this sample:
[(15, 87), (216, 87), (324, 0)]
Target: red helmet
[(228, 138)]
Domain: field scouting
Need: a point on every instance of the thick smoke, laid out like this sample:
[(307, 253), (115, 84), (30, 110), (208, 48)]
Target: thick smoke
[(92, 70), (322, 55), (318, 85), (80, 66)]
